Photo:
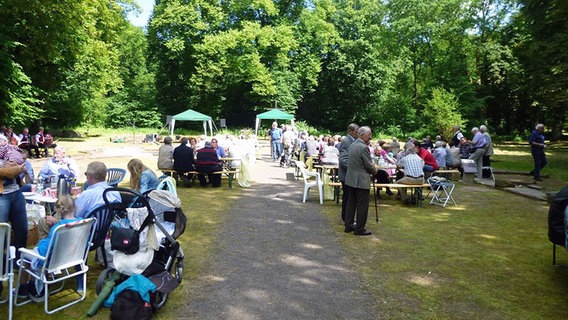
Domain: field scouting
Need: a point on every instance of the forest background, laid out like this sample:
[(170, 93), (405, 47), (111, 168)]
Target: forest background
[(399, 66)]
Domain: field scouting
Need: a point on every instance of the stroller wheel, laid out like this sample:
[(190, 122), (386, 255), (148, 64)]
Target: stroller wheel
[(161, 298), (103, 278)]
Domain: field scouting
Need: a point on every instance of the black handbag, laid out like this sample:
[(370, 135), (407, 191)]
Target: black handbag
[(125, 240)]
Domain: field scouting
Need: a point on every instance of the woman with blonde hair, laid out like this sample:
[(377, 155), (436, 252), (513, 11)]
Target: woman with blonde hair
[(142, 178)]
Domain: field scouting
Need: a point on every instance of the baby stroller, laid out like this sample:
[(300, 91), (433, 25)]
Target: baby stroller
[(166, 220)]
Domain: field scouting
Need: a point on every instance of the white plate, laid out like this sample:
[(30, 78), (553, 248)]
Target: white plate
[(28, 194)]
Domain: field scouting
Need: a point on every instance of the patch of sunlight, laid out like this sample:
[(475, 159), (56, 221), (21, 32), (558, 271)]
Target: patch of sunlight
[(256, 294), (215, 278), (488, 236), (305, 281), (516, 152), (283, 221), (422, 280), (297, 261), (311, 246)]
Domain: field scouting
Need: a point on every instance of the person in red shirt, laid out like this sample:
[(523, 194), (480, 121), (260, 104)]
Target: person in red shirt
[(430, 163)]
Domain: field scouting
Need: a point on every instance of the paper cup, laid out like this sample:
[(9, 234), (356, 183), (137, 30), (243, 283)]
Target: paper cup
[(34, 188), (75, 191), (53, 193)]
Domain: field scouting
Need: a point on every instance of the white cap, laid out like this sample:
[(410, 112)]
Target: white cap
[(540, 125)]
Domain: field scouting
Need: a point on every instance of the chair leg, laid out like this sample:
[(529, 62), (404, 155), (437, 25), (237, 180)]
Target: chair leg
[(306, 189), (320, 188)]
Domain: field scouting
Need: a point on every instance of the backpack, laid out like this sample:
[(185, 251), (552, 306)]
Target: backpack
[(129, 305)]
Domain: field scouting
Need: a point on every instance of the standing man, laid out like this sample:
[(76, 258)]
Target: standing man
[(457, 135), (275, 137), (488, 150), (343, 161), (536, 140), (478, 151), (360, 168)]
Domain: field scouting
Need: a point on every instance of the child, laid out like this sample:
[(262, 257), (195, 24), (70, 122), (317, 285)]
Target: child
[(65, 209)]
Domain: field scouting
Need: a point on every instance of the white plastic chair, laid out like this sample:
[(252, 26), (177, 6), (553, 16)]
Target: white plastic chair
[(7, 255), (309, 183), (441, 191), (66, 258)]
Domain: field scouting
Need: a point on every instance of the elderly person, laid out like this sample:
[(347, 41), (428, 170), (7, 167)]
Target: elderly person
[(142, 178), (60, 164), (351, 136), (413, 173), (208, 162), (479, 143), (183, 161), (440, 154), (26, 143), (536, 140), (166, 155), (430, 164), (358, 178), (488, 150), (92, 197)]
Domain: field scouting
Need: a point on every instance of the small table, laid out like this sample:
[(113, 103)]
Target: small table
[(38, 198)]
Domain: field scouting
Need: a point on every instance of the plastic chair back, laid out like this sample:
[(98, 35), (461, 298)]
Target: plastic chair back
[(115, 176), (104, 216)]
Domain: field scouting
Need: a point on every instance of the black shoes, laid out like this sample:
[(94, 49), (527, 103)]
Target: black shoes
[(349, 228), (362, 232)]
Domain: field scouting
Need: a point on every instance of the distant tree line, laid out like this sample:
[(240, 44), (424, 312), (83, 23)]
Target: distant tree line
[(400, 66)]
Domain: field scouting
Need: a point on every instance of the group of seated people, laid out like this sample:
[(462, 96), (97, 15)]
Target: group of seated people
[(205, 158), (25, 141)]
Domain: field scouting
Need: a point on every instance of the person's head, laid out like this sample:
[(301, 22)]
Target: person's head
[(463, 140), (456, 128), (25, 131), (40, 130), (184, 140), (438, 137), (417, 145), (192, 141), (410, 150), (96, 172), (378, 149), (475, 130), (540, 127), (168, 140), (59, 153), (274, 125), (331, 142), (208, 144), (482, 128), (364, 133), (394, 139), (65, 206), (214, 143), (352, 129), (135, 167), (439, 144)]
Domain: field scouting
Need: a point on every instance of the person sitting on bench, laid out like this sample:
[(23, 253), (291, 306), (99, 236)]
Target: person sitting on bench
[(413, 172)]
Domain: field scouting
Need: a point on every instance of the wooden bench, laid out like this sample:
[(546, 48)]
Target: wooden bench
[(446, 173), (415, 188), (230, 174)]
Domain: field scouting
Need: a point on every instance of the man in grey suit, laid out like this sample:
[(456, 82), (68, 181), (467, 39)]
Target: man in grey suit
[(360, 167), (343, 156)]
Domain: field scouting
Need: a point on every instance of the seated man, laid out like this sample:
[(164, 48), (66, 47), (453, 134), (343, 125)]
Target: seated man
[(92, 197), (26, 143), (413, 172), (430, 164), (183, 161), (60, 165), (166, 155), (208, 162)]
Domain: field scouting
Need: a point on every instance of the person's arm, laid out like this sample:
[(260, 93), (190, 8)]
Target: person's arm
[(343, 154), (11, 171)]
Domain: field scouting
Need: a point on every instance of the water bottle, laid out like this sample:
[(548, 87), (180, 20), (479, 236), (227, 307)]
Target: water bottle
[(62, 187), (39, 187)]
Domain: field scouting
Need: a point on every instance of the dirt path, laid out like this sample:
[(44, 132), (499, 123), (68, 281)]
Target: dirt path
[(277, 258)]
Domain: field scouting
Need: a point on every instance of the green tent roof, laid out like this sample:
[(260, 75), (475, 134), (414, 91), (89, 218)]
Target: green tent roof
[(275, 114), (192, 116)]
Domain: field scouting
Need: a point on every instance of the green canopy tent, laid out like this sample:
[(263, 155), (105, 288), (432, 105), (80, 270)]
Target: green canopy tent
[(191, 115), (274, 114)]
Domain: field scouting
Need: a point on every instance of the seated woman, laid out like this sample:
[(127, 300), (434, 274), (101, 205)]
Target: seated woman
[(142, 178), (59, 164), (383, 175), (65, 209), (166, 155), (330, 153)]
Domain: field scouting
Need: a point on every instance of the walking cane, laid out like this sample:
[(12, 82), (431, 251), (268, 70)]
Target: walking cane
[(376, 205)]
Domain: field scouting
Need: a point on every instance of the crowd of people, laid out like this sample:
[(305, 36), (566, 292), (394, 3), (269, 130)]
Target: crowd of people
[(42, 140), (203, 156)]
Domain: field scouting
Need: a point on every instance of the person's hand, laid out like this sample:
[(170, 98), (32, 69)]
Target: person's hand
[(50, 220)]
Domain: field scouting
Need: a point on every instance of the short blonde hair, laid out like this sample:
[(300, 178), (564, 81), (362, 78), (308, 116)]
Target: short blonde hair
[(65, 206)]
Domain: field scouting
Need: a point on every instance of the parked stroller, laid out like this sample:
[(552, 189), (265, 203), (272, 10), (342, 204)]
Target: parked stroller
[(165, 220)]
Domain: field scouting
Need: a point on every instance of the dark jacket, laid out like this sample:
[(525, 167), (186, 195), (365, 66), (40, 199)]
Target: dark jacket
[(183, 158)]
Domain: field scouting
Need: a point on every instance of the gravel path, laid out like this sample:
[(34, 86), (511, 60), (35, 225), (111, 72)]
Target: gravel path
[(277, 258)]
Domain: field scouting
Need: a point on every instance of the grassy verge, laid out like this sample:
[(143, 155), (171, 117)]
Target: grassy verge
[(486, 258)]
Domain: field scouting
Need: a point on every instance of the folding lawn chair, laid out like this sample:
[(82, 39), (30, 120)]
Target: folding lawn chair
[(441, 191), (7, 254)]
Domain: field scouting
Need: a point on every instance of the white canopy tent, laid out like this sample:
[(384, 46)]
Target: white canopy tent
[(274, 114), (191, 115)]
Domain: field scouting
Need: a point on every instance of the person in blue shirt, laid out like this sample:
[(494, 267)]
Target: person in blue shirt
[(536, 140), (275, 141), (65, 209), (220, 151), (142, 178), (92, 197)]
